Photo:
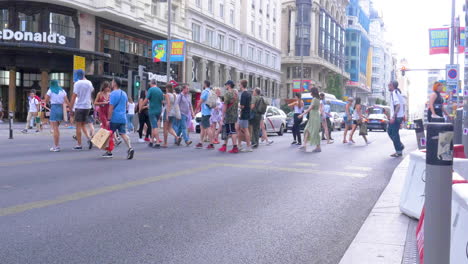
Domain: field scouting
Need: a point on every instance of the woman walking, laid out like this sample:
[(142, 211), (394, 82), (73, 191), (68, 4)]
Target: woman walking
[(217, 117), (348, 118), (298, 106), (436, 103), (130, 114), (170, 114), (312, 128), (323, 116), (143, 118), (358, 119), (57, 97), (102, 101)]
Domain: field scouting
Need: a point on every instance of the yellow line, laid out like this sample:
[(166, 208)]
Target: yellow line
[(85, 194), (358, 168), (305, 164), (307, 171), (259, 161)]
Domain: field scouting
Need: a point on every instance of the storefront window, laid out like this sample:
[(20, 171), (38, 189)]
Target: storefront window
[(28, 23), (5, 78), (3, 19), (63, 79), (62, 24), (29, 78)]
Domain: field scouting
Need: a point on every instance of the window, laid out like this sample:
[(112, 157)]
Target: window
[(63, 78), (252, 27), (220, 42), (30, 78), (210, 6), (274, 38), (259, 54), (253, 4), (28, 23), (3, 19), (154, 7), (197, 2), (260, 31), (221, 10), (231, 16), (174, 13), (241, 50), (273, 62), (232, 45), (251, 53), (209, 37), (195, 32), (353, 51), (62, 25), (5, 78), (267, 59), (267, 34)]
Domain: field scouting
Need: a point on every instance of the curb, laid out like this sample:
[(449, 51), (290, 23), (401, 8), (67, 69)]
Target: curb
[(383, 235)]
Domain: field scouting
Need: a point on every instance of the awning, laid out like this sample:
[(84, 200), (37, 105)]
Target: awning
[(54, 49)]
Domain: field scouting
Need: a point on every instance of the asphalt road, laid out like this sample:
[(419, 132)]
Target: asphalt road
[(183, 205)]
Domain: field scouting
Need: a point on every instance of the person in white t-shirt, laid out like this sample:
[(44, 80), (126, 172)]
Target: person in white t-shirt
[(81, 105), (33, 108), (397, 113), (130, 114)]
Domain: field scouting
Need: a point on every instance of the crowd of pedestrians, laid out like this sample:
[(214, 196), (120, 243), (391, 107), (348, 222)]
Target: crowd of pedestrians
[(236, 116)]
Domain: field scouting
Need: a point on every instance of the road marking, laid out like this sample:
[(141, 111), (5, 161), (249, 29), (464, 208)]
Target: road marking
[(260, 161), (85, 194), (358, 168), (287, 169), (303, 164)]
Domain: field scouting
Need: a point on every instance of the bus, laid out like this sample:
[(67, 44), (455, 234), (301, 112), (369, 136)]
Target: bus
[(336, 105)]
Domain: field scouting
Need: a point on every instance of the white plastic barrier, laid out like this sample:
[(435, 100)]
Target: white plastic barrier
[(459, 237), (461, 167), (412, 196)]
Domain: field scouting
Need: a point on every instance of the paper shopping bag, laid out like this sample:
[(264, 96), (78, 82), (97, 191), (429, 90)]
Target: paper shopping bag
[(101, 137)]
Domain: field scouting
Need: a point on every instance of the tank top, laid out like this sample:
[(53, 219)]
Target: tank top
[(355, 114), (298, 110), (104, 109), (438, 105), (172, 100)]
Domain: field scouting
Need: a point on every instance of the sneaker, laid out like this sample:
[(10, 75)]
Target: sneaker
[(269, 142), (117, 142), (130, 153), (294, 142), (24, 131), (199, 146), (90, 144), (54, 149), (188, 143), (147, 139), (396, 155), (157, 146), (107, 155), (77, 148), (247, 149), (216, 141), (37, 131), (234, 150), (178, 141), (140, 140), (150, 145), (255, 146), (210, 146), (74, 137), (222, 149)]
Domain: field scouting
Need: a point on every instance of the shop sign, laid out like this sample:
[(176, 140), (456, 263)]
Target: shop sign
[(43, 37), (159, 49), (157, 77)]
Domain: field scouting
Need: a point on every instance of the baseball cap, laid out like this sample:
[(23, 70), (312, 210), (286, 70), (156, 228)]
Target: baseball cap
[(231, 83)]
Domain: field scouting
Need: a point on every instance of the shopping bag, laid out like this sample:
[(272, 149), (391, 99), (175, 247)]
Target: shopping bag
[(101, 138), (363, 129)]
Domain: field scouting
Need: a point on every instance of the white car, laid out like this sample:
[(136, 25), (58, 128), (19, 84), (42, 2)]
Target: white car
[(275, 120)]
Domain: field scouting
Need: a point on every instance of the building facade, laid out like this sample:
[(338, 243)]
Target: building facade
[(358, 52), (234, 40), (313, 31), (40, 38)]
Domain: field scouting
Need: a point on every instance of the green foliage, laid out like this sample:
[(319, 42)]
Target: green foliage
[(335, 85), (378, 101), (383, 102), (285, 108)]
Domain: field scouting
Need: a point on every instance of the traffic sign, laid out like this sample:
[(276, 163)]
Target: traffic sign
[(452, 74)]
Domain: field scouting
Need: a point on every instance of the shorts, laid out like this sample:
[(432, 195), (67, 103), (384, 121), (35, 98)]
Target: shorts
[(205, 121), (243, 123), (81, 115), (230, 129), (56, 113), (355, 122), (122, 128), (348, 122), (90, 119), (154, 118)]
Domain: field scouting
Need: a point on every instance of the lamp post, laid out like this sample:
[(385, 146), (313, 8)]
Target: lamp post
[(169, 48)]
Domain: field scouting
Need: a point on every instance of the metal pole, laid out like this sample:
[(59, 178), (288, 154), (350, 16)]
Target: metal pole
[(169, 48), (439, 163), (10, 121), (301, 36), (452, 52), (458, 126), (465, 92)]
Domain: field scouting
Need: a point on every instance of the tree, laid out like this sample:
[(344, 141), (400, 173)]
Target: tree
[(384, 102), (378, 101), (335, 85)]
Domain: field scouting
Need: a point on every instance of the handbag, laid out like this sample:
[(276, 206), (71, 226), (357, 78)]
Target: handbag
[(363, 129)]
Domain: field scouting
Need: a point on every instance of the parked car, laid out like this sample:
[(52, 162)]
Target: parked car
[(377, 121), (336, 120)]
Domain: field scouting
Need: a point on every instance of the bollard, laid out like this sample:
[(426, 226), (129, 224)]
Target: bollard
[(438, 120), (458, 127), (10, 121), (438, 191), (420, 136)]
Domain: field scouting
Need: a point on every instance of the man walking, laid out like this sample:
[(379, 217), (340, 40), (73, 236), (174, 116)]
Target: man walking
[(33, 108), (81, 103), (256, 118), (117, 115), (230, 116), (205, 125), (397, 113), (245, 101), (185, 105), (155, 98)]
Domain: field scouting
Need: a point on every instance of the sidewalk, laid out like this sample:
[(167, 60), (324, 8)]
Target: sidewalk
[(387, 236)]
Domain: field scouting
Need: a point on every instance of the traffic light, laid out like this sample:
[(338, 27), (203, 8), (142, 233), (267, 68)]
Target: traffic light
[(137, 82), (403, 70)]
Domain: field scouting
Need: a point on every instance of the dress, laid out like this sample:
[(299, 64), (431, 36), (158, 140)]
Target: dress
[(103, 112), (313, 124)]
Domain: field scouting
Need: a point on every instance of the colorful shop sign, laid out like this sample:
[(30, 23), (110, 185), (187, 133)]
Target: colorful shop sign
[(159, 49)]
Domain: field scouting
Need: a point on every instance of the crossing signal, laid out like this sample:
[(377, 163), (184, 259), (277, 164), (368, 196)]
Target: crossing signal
[(403, 70), (137, 82)]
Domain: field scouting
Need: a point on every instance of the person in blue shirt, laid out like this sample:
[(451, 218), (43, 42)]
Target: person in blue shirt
[(117, 115), (205, 125)]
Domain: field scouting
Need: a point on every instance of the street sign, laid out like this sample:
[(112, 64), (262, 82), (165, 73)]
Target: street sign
[(452, 74), (79, 63)]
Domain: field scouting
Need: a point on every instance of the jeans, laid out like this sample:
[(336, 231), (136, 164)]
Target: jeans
[(130, 122), (394, 134), (255, 124), (296, 129), (182, 128), (144, 119)]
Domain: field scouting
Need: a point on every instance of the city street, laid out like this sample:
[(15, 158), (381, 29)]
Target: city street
[(183, 205)]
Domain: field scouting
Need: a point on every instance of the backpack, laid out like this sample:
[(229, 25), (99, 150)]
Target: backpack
[(212, 100), (261, 106)]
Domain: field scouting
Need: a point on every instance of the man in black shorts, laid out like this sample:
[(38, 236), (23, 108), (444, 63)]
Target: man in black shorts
[(81, 102)]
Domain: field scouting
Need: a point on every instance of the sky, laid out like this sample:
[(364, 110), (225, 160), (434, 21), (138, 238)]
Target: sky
[(407, 23)]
